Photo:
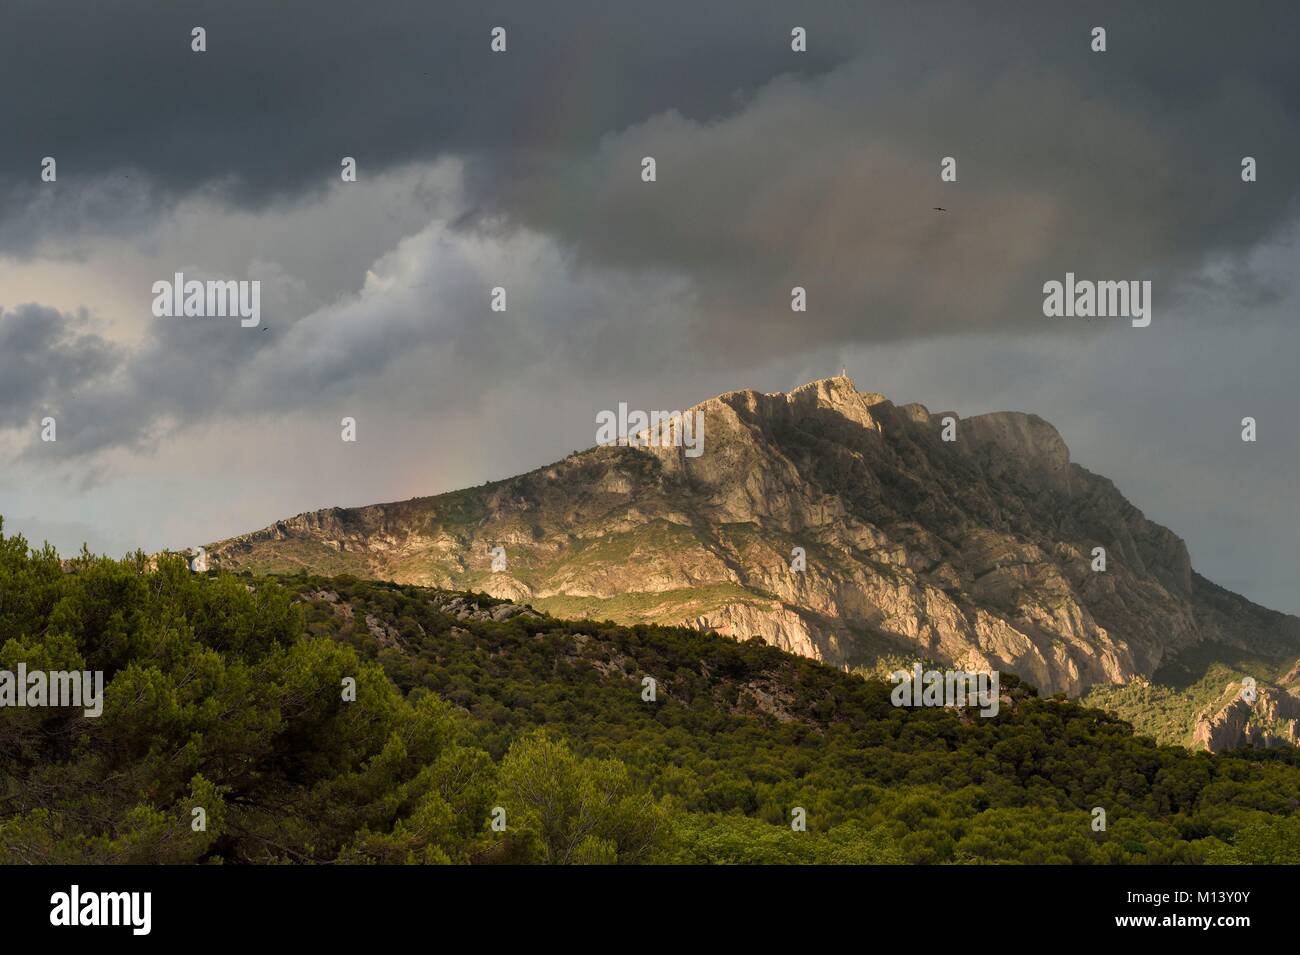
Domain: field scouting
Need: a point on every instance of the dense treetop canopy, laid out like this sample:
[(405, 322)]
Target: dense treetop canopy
[(315, 720)]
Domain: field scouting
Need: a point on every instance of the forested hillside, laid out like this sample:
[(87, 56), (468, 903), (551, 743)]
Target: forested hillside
[(316, 720)]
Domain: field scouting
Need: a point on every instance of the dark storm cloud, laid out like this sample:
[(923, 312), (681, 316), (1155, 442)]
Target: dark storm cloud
[(45, 356), (1096, 164), (285, 89)]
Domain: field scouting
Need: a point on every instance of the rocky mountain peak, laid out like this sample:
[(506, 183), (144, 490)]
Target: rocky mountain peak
[(826, 521)]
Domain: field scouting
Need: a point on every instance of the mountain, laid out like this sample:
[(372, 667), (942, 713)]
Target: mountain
[(1202, 700), (976, 552)]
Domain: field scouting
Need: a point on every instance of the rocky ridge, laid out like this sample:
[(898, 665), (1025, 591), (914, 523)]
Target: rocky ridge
[(976, 552)]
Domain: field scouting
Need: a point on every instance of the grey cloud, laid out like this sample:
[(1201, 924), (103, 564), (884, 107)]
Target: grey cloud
[(775, 169), (830, 183), (45, 357), (286, 89)]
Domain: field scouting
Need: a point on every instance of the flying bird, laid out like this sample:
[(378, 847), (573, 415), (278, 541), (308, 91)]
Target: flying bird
[(938, 208)]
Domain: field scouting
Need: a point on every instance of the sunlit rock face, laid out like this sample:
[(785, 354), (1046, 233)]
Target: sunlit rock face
[(826, 521)]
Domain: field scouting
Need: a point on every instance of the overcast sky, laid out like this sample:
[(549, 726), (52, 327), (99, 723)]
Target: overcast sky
[(522, 169)]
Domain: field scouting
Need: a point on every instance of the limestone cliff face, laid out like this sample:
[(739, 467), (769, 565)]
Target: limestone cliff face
[(976, 552), (1271, 719)]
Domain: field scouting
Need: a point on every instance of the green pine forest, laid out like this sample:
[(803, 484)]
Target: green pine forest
[(226, 738)]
